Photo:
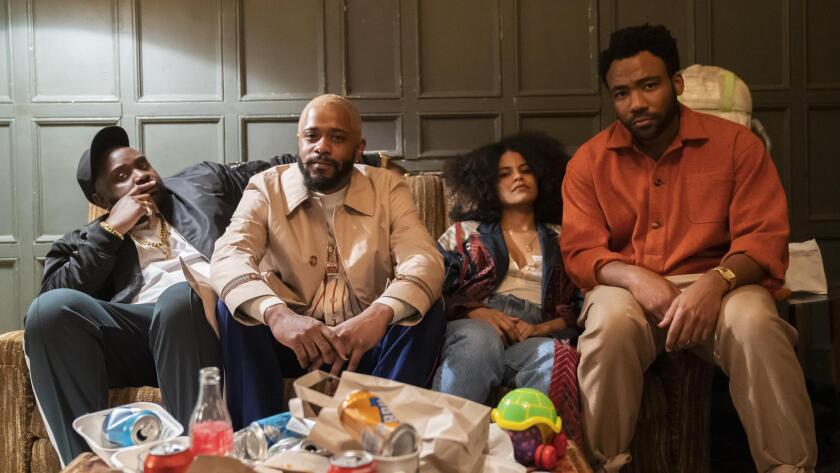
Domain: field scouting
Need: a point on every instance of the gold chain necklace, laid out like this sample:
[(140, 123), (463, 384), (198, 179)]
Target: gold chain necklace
[(528, 246), (162, 245)]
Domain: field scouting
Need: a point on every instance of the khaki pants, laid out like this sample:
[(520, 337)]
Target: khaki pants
[(752, 345)]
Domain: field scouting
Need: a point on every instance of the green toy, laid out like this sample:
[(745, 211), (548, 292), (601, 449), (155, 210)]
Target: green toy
[(526, 407)]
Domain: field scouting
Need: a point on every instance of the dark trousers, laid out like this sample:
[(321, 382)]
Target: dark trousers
[(78, 347), (255, 363)]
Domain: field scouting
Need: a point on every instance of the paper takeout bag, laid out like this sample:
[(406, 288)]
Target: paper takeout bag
[(453, 430), (805, 272)]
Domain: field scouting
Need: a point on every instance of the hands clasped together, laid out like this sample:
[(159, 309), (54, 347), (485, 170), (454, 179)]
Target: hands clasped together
[(510, 329), (690, 316), (316, 344)]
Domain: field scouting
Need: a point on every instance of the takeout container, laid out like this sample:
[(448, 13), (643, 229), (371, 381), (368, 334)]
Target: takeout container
[(89, 426), (132, 458)]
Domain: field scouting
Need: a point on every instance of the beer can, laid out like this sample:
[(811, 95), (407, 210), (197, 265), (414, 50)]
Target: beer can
[(352, 461), (127, 427), (168, 457), (371, 423)]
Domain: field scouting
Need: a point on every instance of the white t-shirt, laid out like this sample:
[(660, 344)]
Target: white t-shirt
[(160, 272), (524, 283)]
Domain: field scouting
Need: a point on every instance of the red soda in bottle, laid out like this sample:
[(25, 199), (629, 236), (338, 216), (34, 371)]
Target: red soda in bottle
[(211, 431)]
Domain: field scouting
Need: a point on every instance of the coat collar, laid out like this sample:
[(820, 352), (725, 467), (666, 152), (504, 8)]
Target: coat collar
[(360, 194)]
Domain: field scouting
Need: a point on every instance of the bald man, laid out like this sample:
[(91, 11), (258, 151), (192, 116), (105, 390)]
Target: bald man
[(325, 264)]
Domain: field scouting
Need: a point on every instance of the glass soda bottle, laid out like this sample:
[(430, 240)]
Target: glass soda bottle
[(211, 430)]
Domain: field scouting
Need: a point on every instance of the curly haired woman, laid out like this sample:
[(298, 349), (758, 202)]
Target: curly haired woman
[(508, 299)]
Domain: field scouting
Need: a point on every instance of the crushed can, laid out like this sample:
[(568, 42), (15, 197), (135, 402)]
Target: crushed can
[(352, 461), (296, 444), (253, 442), (369, 421), (127, 427)]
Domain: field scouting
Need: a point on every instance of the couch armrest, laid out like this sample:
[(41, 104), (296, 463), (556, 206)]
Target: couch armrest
[(16, 404), (430, 200), (11, 349)]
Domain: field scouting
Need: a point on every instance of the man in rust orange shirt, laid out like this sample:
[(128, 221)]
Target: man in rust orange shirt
[(675, 225)]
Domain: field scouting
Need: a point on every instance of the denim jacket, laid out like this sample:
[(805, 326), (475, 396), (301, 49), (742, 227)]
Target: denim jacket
[(476, 262)]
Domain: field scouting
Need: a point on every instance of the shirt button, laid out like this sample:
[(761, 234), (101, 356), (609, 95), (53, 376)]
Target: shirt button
[(657, 182), (655, 225), (313, 260)]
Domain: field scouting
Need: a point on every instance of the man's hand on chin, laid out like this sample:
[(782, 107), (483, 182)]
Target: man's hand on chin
[(361, 333)]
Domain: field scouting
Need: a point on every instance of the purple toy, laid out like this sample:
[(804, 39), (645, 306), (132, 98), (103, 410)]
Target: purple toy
[(525, 443)]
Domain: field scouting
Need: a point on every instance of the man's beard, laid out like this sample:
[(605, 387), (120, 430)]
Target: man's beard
[(661, 121), (320, 183)]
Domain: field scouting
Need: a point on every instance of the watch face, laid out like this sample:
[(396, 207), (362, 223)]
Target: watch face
[(727, 274)]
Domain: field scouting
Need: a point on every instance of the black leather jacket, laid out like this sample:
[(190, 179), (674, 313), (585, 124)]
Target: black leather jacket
[(203, 198)]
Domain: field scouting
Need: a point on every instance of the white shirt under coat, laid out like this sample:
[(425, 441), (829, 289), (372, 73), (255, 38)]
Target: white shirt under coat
[(160, 272)]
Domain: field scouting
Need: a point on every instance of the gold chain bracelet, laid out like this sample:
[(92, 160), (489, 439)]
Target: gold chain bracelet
[(108, 228)]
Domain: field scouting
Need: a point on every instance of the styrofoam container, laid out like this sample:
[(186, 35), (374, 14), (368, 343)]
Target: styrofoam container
[(131, 459), (89, 426)]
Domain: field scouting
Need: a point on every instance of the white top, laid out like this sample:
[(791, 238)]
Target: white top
[(160, 272), (524, 283), (334, 300)]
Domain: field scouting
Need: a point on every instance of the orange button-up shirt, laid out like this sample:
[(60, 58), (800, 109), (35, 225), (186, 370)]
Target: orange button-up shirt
[(714, 192)]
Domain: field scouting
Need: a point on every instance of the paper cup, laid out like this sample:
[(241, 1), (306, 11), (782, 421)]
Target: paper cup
[(409, 463)]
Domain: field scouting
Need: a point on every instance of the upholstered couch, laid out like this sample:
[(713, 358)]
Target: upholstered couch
[(672, 435)]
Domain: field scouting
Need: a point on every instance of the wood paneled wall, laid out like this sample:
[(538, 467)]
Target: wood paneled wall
[(224, 80)]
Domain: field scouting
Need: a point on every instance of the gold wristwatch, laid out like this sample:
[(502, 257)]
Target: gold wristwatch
[(727, 274)]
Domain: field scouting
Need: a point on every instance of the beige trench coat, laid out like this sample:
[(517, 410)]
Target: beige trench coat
[(276, 244)]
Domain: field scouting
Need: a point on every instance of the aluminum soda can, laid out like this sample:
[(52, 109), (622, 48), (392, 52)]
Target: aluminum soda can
[(307, 445), (296, 444), (352, 461), (128, 426), (254, 441), (371, 423), (168, 457), (285, 444)]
